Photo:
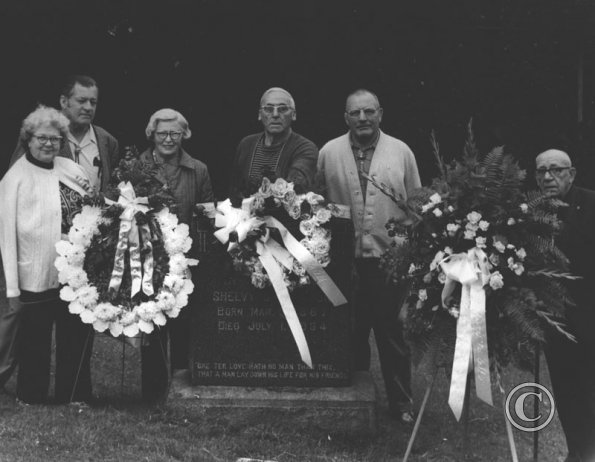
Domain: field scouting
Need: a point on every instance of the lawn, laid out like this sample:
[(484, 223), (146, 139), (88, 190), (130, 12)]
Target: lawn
[(121, 428)]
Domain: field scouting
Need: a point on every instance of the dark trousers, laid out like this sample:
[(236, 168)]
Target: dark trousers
[(179, 339), (154, 365), (74, 341), (572, 372), (377, 306), (9, 323)]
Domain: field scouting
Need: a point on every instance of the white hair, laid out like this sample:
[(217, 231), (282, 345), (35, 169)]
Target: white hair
[(167, 115), (281, 90), (44, 115)]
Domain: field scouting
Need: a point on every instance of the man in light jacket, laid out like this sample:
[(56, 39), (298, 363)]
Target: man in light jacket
[(343, 164)]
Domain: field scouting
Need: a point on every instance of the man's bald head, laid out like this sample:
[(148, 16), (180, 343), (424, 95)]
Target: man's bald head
[(554, 172), (561, 157)]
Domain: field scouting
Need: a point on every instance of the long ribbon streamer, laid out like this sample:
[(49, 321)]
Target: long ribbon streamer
[(276, 277), (128, 238), (471, 347), (314, 269), (147, 251)]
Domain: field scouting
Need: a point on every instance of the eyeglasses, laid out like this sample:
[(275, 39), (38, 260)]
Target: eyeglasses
[(369, 112), (161, 136), (55, 140), (554, 171), (281, 109)]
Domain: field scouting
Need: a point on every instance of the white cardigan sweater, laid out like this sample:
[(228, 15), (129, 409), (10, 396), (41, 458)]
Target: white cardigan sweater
[(30, 222), (393, 164)]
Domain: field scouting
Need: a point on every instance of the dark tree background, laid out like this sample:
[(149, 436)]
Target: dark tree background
[(514, 66)]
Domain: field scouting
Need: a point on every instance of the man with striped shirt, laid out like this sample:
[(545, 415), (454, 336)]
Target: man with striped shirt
[(278, 152)]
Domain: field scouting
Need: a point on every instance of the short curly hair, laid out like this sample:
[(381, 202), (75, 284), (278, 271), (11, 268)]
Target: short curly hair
[(167, 115), (43, 115)]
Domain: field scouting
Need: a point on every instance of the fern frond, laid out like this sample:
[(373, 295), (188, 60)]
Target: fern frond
[(553, 273), (556, 325), (437, 156)]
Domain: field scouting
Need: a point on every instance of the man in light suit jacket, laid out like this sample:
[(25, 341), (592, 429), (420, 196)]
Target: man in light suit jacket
[(88, 145), (342, 166), (97, 153)]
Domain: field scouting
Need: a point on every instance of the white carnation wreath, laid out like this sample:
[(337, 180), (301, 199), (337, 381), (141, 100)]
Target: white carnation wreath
[(143, 317)]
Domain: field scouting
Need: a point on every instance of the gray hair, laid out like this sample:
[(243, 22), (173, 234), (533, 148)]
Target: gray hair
[(281, 90), (363, 91), (43, 115), (167, 115)]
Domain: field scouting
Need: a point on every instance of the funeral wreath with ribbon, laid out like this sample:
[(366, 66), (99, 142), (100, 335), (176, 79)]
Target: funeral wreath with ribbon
[(263, 248), (123, 265), (486, 277)]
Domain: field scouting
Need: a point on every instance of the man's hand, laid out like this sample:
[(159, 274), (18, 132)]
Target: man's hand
[(14, 304)]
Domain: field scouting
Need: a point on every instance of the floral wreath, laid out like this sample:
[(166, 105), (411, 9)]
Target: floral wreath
[(254, 238), (98, 279), (271, 198)]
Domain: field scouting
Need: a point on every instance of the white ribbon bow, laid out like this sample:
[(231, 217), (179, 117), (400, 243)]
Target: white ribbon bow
[(471, 348), (129, 239), (231, 219)]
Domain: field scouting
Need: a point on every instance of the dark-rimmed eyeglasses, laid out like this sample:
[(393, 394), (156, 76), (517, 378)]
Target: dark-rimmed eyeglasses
[(369, 112), (55, 140), (161, 136), (554, 171), (281, 109)]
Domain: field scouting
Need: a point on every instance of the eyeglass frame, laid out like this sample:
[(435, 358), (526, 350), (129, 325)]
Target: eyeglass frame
[(541, 172), (271, 107), (174, 136), (43, 139), (354, 114)]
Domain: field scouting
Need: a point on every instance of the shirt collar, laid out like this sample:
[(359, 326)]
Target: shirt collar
[(356, 145), (89, 138), (186, 160)]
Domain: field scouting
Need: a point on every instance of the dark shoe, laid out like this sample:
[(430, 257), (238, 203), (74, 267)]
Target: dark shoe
[(572, 458), (404, 417)]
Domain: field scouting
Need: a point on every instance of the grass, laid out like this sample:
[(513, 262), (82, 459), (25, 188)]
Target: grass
[(124, 429)]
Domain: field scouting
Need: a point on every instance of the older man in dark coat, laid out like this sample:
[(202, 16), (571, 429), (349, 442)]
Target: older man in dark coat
[(572, 364)]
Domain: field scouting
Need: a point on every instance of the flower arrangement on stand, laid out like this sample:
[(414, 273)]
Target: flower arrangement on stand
[(123, 266), (485, 275)]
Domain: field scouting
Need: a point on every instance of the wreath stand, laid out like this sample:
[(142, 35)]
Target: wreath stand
[(466, 406)]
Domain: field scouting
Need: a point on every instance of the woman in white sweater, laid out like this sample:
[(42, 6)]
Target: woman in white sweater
[(39, 196)]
